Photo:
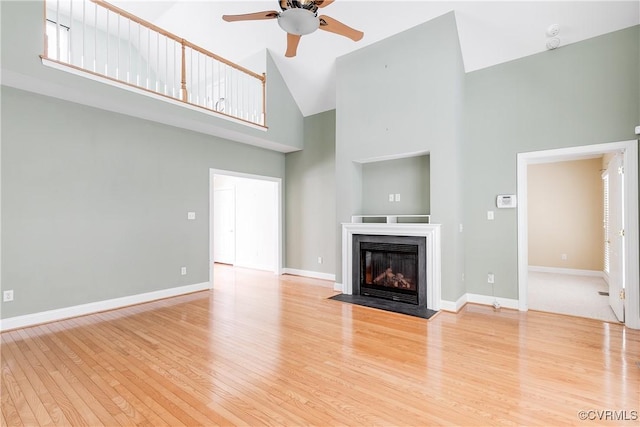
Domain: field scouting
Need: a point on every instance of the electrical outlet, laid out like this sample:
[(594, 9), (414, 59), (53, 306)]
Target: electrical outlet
[(319, 260), (490, 278), (191, 215), (7, 296), (183, 271), (564, 257), (490, 215), (397, 197), (391, 197)]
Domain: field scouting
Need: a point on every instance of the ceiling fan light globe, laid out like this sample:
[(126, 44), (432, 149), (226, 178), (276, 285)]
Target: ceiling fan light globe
[(298, 21)]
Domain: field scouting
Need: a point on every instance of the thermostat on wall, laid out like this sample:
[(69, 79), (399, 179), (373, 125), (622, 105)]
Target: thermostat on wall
[(506, 201)]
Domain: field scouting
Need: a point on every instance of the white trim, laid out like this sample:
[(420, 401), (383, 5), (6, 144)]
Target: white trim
[(211, 199), (477, 299), (454, 306), (392, 157), (311, 274), (338, 287), (96, 307), (430, 231), (489, 300), (631, 269), (569, 271)]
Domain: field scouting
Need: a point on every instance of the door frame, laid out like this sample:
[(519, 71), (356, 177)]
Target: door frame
[(213, 219), (277, 269), (631, 269)]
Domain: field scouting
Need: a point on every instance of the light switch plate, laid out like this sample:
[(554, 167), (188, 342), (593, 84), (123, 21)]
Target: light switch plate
[(490, 215), (191, 215), (397, 197)]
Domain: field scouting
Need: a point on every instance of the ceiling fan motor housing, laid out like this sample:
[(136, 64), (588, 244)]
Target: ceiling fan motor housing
[(297, 4)]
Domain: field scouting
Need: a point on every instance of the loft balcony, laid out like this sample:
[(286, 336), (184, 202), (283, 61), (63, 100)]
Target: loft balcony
[(101, 41)]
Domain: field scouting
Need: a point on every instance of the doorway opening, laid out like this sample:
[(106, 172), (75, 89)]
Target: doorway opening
[(245, 221), (567, 272), (628, 268)]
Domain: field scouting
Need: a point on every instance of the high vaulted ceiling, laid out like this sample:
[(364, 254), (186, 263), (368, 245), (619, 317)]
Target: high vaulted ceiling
[(490, 32)]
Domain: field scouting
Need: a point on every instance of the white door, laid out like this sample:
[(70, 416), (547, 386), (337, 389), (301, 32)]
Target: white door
[(224, 223), (615, 233)]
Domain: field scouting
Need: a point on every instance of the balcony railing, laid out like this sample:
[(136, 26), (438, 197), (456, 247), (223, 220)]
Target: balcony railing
[(101, 39)]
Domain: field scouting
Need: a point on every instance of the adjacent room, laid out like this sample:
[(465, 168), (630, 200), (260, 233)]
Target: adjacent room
[(319, 212), (569, 246)]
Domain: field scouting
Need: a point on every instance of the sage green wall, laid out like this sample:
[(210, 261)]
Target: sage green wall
[(408, 177), (310, 197), (94, 204), (399, 96), (583, 93), (22, 69)]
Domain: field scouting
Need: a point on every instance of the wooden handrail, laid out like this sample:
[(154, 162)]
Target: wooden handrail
[(172, 36)]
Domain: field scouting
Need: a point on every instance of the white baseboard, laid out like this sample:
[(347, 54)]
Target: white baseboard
[(338, 287), (311, 274), (95, 307), (453, 306), (571, 271), (488, 300)]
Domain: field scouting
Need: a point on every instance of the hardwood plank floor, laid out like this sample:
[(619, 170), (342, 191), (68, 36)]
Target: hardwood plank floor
[(266, 350)]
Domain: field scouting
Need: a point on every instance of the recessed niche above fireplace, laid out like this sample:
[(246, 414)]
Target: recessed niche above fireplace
[(395, 267), (408, 178)]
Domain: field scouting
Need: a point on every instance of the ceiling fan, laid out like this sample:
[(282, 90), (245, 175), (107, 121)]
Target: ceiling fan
[(299, 18)]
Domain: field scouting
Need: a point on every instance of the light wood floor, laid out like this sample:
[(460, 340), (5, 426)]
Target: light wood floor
[(262, 349)]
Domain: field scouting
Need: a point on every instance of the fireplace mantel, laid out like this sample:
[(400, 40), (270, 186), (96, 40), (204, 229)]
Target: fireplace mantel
[(430, 231)]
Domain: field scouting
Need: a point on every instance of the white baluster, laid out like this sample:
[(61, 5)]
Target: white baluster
[(119, 41), (148, 57), (106, 57), (84, 33), (95, 37), (70, 39), (157, 62), (58, 30), (129, 63)]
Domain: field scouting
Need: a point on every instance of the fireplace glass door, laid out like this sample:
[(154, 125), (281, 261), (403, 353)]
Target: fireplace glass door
[(390, 271)]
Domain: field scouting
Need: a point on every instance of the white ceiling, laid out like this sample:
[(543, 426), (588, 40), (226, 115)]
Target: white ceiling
[(490, 32)]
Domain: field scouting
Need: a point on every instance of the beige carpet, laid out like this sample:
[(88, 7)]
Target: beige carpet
[(569, 294)]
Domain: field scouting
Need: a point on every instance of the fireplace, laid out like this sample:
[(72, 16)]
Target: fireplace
[(390, 267)]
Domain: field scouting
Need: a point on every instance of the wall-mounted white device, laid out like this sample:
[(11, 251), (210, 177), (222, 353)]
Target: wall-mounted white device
[(504, 201), (637, 130)]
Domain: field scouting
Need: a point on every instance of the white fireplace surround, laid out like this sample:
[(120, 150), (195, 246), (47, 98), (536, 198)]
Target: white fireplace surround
[(430, 231)]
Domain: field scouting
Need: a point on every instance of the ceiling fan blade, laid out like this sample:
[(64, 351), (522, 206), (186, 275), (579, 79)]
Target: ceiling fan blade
[(324, 3), (268, 14), (337, 27), (292, 45)]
